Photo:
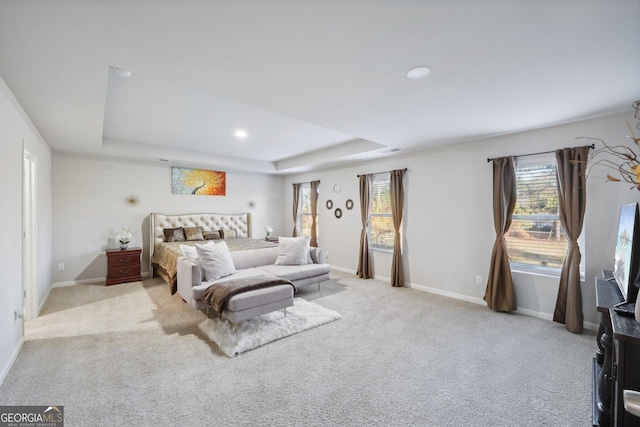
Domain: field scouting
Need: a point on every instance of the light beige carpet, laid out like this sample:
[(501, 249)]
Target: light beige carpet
[(133, 355)]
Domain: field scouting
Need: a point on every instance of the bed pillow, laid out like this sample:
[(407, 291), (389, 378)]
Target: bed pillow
[(193, 233), (211, 235), (215, 260), (293, 251), (192, 253), (228, 234), (173, 234)]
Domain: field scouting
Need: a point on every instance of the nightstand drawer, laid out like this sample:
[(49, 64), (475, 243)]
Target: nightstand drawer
[(125, 259), (124, 271)]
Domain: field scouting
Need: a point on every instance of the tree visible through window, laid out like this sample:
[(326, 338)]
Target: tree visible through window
[(381, 231), (305, 219), (536, 237)]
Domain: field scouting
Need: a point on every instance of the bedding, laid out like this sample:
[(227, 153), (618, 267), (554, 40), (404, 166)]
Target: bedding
[(218, 294), (163, 254)]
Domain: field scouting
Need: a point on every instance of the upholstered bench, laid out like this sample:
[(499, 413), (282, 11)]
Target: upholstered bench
[(257, 302)]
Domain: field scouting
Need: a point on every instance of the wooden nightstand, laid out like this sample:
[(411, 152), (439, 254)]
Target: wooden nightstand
[(123, 265)]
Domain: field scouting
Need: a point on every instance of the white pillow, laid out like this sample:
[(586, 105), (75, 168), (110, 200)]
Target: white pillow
[(191, 252), (293, 251), (216, 260)]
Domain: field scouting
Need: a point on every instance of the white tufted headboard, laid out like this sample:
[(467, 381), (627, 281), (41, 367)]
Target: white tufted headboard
[(208, 222)]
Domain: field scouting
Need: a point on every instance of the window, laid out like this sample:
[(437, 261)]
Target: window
[(381, 231), (304, 217), (536, 241)]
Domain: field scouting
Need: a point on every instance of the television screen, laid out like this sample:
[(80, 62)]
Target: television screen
[(625, 267)]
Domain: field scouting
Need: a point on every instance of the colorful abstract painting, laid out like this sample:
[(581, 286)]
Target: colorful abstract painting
[(198, 181)]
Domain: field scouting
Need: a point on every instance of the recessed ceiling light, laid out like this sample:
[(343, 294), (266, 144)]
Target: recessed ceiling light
[(240, 134), (419, 72), (123, 73)]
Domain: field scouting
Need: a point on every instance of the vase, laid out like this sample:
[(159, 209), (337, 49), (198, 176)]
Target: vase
[(124, 246), (267, 237)]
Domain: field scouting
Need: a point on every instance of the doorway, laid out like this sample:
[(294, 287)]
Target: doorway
[(29, 209)]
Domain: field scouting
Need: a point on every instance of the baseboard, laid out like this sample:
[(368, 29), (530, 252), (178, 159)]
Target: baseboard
[(591, 326), (7, 367), (44, 300), (344, 270), (480, 301), (347, 270), (144, 275), (78, 282), (382, 278), (447, 293)]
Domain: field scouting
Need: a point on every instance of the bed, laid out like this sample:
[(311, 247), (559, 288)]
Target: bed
[(164, 255)]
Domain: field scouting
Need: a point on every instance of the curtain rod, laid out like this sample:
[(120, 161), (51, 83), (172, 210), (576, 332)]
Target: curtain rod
[(306, 182), (592, 146), (376, 173)]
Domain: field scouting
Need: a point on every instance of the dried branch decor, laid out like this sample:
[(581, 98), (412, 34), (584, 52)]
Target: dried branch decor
[(622, 158)]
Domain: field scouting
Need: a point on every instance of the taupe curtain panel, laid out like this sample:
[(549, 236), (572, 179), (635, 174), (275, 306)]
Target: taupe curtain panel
[(296, 206), (397, 202), (365, 261), (572, 197), (500, 295), (314, 213)]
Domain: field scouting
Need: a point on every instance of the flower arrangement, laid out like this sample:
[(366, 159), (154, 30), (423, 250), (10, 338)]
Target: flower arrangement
[(124, 236), (268, 229), (622, 158)]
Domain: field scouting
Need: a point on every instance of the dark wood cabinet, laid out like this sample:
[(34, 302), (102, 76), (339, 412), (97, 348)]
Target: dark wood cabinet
[(626, 374), (617, 363), (123, 266)]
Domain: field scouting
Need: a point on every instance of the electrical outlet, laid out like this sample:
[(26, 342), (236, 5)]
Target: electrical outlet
[(478, 280), (60, 266)]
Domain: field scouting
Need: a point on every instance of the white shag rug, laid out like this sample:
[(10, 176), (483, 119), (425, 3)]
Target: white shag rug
[(260, 330)]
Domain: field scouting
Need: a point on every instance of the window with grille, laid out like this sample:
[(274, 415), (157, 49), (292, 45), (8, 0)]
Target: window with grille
[(381, 232), (536, 240), (304, 216)]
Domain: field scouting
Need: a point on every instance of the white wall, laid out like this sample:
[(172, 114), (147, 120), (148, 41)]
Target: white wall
[(448, 223), (16, 128), (88, 208)]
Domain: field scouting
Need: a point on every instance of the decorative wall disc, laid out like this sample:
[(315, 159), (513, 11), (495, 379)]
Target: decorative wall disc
[(329, 204), (338, 213), (132, 201), (349, 204)]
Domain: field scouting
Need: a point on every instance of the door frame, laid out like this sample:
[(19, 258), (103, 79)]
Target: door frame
[(29, 234)]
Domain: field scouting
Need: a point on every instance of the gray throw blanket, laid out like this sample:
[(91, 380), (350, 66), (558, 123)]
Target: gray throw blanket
[(218, 294)]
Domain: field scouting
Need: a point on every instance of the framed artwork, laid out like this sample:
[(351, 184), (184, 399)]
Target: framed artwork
[(198, 181)]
